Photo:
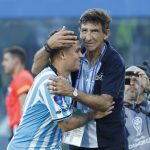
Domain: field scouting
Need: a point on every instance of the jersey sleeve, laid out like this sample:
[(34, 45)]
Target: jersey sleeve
[(56, 104), (23, 83)]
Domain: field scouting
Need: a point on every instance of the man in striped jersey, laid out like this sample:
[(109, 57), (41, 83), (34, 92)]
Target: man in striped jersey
[(45, 114)]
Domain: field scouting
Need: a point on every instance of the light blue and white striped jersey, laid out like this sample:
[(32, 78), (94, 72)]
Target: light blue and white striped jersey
[(39, 128)]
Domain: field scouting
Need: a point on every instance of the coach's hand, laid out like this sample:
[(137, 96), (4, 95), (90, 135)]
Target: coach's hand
[(59, 85), (100, 114), (61, 39)]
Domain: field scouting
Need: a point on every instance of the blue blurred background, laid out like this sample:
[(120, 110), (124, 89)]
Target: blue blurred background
[(27, 23)]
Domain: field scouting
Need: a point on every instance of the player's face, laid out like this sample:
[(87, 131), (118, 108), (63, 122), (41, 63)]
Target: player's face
[(133, 89), (8, 63), (92, 36), (73, 57)]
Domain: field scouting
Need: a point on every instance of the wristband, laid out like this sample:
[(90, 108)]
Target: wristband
[(47, 48)]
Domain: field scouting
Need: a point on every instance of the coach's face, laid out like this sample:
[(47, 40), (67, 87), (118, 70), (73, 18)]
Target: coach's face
[(92, 36)]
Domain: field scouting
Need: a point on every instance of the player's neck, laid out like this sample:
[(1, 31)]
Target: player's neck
[(60, 69), (93, 56), (17, 70)]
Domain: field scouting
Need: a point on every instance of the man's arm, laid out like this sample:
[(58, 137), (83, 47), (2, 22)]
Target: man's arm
[(79, 119), (97, 102), (22, 98), (59, 40), (76, 121), (41, 60)]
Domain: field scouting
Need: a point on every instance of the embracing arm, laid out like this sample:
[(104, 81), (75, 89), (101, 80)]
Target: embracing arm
[(41, 60), (97, 102), (76, 121), (58, 40), (79, 119)]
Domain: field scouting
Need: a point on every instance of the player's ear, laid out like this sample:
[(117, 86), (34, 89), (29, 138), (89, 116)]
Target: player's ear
[(16, 60), (62, 54)]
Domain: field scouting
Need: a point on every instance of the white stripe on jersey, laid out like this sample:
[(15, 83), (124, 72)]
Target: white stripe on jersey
[(36, 81), (47, 137), (39, 132), (38, 97), (45, 98)]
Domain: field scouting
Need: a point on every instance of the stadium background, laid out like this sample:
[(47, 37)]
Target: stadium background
[(27, 23)]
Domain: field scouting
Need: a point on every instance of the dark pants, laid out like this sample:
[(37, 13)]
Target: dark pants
[(117, 147), (81, 148)]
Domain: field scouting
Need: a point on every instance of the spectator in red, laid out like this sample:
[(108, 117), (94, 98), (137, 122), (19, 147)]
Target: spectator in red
[(14, 64)]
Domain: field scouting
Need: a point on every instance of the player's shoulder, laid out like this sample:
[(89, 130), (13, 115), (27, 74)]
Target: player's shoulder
[(45, 74), (47, 71), (25, 74)]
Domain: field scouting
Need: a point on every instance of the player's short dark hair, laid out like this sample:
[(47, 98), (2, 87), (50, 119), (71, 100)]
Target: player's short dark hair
[(16, 51), (96, 15)]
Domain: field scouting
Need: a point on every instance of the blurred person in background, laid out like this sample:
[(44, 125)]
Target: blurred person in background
[(46, 115), (99, 82), (137, 108), (14, 64)]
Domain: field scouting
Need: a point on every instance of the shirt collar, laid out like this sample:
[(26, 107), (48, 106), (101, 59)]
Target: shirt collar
[(84, 58), (107, 53), (54, 69)]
